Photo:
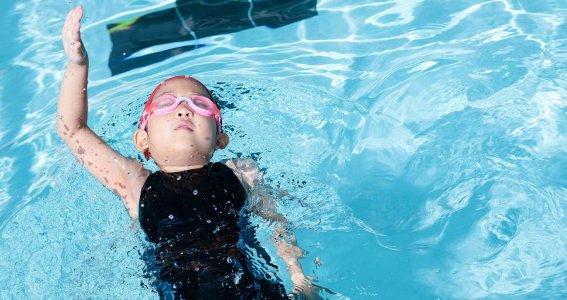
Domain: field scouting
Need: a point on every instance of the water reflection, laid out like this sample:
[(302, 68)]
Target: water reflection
[(193, 20)]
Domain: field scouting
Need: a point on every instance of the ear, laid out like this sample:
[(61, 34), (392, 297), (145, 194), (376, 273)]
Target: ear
[(141, 140), (222, 141)]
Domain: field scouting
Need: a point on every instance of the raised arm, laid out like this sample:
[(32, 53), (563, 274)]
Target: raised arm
[(124, 176), (263, 203)]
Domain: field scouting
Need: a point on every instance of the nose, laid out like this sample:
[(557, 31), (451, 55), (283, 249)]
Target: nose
[(183, 111)]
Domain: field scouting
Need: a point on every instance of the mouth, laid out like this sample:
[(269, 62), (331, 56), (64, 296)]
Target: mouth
[(184, 126)]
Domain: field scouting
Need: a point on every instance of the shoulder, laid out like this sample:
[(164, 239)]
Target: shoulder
[(136, 179), (246, 170)]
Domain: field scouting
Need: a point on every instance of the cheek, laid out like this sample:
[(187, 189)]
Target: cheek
[(157, 123), (154, 140), (157, 128), (207, 126)]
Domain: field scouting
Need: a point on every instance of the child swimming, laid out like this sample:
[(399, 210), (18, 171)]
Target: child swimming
[(191, 209)]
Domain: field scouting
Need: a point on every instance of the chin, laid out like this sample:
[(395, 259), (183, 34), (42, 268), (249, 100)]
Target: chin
[(188, 148)]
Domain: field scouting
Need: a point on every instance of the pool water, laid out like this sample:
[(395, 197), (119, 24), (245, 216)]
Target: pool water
[(422, 144)]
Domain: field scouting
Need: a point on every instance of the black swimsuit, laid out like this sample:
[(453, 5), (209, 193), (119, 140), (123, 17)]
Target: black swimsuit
[(194, 218)]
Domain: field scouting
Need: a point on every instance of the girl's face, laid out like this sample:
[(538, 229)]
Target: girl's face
[(181, 138)]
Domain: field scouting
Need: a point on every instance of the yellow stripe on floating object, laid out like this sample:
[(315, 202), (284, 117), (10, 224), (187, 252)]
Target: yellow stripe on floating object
[(123, 25)]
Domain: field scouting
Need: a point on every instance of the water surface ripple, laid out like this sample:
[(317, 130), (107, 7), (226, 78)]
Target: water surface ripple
[(417, 147)]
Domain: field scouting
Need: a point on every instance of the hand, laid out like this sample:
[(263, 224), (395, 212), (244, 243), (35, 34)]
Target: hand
[(306, 290), (71, 36)]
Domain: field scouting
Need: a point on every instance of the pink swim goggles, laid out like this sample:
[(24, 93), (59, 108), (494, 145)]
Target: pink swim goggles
[(168, 103)]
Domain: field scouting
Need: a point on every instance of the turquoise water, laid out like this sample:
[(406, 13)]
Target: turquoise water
[(423, 144)]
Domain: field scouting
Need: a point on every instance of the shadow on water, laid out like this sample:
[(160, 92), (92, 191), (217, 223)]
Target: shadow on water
[(193, 20)]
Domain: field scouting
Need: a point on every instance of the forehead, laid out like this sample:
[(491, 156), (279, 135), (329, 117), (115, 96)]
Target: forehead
[(181, 86)]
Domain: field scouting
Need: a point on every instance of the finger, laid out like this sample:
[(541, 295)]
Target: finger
[(79, 12), (71, 23), (70, 15), (76, 36), (68, 18), (76, 28), (77, 23), (67, 34), (74, 12), (67, 21)]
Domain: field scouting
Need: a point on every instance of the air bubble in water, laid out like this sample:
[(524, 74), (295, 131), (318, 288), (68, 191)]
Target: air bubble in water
[(178, 177), (195, 192), (237, 277), (142, 205), (209, 221), (171, 217)]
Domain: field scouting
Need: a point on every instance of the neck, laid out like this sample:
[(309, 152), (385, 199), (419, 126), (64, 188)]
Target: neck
[(182, 163), (178, 162), (172, 169)]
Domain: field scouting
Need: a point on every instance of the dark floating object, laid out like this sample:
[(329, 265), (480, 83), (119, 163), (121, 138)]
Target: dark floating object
[(191, 20)]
